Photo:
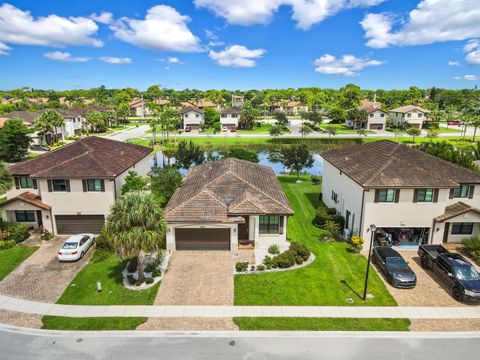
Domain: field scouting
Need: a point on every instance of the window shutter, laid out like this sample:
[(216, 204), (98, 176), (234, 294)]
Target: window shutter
[(451, 193), (415, 195), (377, 195), (35, 186), (435, 195), (281, 225), (49, 182), (84, 185), (397, 195), (471, 191), (67, 184), (17, 183), (102, 185)]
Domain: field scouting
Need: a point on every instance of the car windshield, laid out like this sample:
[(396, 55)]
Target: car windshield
[(395, 261), (70, 245), (466, 273)]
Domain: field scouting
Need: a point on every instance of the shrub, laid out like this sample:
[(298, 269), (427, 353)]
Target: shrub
[(324, 214), (260, 267), (131, 279), (18, 232), (321, 216), (4, 236), (102, 243), (285, 259), (331, 211), (132, 265), (150, 267), (339, 220), (156, 272), (252, 268), (299, 260), (274, 249), (100, 255), (268, 262), (332, 228), (241, 266), (149, 280), (471, 244), (300, 250), (357, 242), (4, 245)]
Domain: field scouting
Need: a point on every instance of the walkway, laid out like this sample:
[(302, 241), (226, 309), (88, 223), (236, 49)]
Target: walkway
[(205, 311)]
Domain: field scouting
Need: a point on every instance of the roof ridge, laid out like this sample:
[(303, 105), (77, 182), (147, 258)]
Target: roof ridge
[(57, 165), (203, 191), (388, 162)]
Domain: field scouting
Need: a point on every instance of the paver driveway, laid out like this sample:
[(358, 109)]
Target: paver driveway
[(42, 277)]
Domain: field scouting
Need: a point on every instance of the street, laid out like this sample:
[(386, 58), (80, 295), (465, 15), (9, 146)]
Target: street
[(18, 343)]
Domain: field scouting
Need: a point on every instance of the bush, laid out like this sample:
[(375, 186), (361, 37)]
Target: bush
[(131, 279), (331, 211), (132, 265), (274, 249), (241, 266), (260, 267), (285, 259), (300, 250), (471, 244), (101, 255), (46, 235), (156, 272), (324, 214), (268, 262), (299, 260), (339, 220), (7, 244), (18, 232), (252, 268), (102, 243), (149, 280), (150, 267)]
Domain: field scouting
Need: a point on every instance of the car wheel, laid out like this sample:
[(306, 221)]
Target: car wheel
[(424, 263), (81, 255), (457, 294), (390, 279)]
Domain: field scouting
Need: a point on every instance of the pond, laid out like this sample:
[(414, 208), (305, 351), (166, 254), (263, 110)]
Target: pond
[(278, 168)]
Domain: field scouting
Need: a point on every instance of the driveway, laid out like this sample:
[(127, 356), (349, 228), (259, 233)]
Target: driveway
[(135, 132), (42, 277), (195, 278)]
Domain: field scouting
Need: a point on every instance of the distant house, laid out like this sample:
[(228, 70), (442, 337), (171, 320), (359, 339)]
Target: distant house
[(71, 190), (29, 118), (377, 118), (199, 104), (138, 106), (74, 121), (292, 108), (237, 101), (229, 118), (192, 118), (414, 115)]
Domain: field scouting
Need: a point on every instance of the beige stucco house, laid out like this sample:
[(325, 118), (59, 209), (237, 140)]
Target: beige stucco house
[(376, 120), (229, 118), (411, 197), (227, 205), (413, 115), (192, 118), (71, 190)]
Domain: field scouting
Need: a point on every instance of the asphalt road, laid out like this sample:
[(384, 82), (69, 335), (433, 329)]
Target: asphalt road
[(18, 343)]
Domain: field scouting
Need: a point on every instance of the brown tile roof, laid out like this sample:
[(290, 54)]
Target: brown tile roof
[(191, 108), (254, 189), (371, 108), (29, 198), (3, 120), (408, 108), (232, 110), (384, 163), (456, 209), (27, 116), (91, 157)]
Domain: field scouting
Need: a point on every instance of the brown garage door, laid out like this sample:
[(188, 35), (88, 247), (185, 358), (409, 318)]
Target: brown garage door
[(203, 239), (376, 126), (76, 224)]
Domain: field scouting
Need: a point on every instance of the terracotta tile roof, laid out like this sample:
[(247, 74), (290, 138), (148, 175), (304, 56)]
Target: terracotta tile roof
[(191, 108), (456, 209), (384, 163), (3, 120), (91, 157), (254, 189), (29, 198), (232, 110), (408, 108), (370, 108)]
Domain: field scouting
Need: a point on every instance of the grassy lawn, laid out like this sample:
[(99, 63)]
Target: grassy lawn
[(84, 292), (321, 324), (98, 323), (442, 130), (11, 258), (341, 128), (262, 129), (334, 276)]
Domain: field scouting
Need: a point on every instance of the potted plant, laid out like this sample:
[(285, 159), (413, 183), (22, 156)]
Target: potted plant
[(357, 243)]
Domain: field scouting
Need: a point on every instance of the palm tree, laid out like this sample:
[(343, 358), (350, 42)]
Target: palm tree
[(48, 121), (136, 226), (154, 122), (6, 180), (170, 117)]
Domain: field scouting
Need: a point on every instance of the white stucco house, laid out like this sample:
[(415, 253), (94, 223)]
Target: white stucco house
[(411, 197), (229, 118), (71, 190), (192, 118), (228, 205), (414, 115), (377, 118)]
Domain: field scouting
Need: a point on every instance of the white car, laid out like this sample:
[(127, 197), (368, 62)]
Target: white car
[(75, 247)]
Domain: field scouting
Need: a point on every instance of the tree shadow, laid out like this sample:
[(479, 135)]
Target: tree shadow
[(345, 282), (313, 198)]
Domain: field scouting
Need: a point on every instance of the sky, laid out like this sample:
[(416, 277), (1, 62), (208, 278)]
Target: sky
[(239, 44)]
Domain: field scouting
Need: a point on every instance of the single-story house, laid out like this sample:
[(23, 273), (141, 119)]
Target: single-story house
[(70, 190), (229, 118), (226, 204), (410, 196), (414, 115), (192, 117)]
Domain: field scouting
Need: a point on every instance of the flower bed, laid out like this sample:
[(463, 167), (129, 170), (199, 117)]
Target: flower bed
[(159, 266), (249, 271)]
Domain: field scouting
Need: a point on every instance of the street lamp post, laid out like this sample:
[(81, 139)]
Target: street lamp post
[(373, 228)]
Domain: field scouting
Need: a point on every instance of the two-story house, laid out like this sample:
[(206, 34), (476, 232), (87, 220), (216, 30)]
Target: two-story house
[(376, 120), (410, 196), (229, 118), (71, 190), (413, 115), (192, 118)]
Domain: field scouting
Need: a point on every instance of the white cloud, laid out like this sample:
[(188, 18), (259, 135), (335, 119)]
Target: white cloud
[(171, 60), (453, 63), (471, 45), (163, 29), (347, 65), (305, 12), (237, 56), (4, 49), (105, 17), (20, 27), (467, 77), (432, 21), (473, 49), (65, 56), (116, 60)]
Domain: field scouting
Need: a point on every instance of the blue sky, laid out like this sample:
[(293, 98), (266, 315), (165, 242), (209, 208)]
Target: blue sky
[(240, 44)]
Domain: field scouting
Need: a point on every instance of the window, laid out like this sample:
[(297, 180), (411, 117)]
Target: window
[(196, 115), (420, 115), (334, 197), (461, 192), (59, 185), (94, 185), (371, 115), (382, 115), (269, 224), (409, 115), (425, 195), (25, 182), (224, 115), (186, 115), (25, 215), (386, 195), (234, 115), (462, 228)]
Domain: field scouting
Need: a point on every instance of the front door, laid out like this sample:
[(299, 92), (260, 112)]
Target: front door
[(445, 232), (39, 218), (243, 229)]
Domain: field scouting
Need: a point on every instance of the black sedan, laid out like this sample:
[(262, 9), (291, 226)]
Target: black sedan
[(37, 147), (395, 268)]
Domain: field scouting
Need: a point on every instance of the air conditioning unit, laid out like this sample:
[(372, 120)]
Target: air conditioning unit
[(346, 234)]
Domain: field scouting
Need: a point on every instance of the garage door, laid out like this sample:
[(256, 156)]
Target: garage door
[(202, 239), (376, 126), (76, 224)]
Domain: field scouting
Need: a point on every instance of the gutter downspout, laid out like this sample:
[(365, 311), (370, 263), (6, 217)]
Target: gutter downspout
[(114, 189), (361, 213)]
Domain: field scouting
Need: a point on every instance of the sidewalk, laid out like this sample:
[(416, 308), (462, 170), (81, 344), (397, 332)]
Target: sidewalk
[(198, 311)]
